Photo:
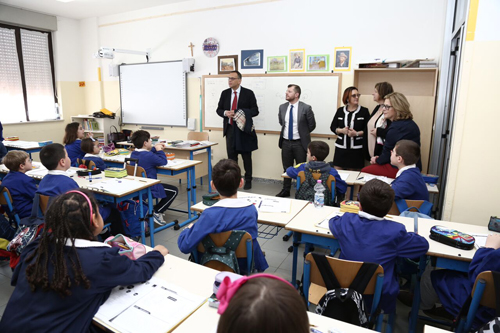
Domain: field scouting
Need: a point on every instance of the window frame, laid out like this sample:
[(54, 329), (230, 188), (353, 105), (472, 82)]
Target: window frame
[(19, 49)]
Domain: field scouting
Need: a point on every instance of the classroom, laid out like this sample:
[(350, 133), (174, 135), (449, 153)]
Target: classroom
[(461, 36)]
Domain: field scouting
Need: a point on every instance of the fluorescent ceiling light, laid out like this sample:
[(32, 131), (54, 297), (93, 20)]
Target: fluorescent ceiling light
[(65, 0)]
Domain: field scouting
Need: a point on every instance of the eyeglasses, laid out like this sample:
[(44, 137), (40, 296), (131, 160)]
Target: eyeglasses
[(233, 78), (356, 95), (385, 106)]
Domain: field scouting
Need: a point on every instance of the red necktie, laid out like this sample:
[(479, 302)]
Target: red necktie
[(235, 105)]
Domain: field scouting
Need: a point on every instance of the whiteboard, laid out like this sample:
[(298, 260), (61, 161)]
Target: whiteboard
[(153, 93), (321, 91)]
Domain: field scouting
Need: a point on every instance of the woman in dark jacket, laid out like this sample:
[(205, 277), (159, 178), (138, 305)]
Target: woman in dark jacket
[(397, 110), (377, 125)]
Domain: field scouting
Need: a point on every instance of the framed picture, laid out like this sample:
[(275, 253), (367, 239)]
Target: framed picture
[(297, 59), (342, 59), (252, 59), (277, 64), (318, 63), (227, 63)]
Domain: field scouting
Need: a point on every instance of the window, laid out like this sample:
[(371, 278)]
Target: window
[(27, 89)]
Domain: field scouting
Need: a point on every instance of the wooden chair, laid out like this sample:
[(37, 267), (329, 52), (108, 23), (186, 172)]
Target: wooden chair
[(6, 200), (134, 170), (88, 163), (244, 250), (345, 272), (410, 203), (483, 293), (44, 203), (198, 136)]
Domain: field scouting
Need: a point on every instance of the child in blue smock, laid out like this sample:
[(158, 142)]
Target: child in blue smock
[(317, 152), (91, 149), (73, 136), (230, 213), (369, 237), (22, 188), (149, 158), (64, 276), (409, 183)]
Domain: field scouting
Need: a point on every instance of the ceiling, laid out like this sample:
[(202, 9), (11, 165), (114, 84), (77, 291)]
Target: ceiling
[(80, 9)]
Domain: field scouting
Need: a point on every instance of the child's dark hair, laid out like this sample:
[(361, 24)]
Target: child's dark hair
[(226, 176), (50, 155), (319, 149), (14, 159), (87, 146), (265, 305), (67, 218), (139, 137), (71, 134), (408, 150), (376, 198)]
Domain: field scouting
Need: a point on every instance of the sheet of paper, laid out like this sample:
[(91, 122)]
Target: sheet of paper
[(253, 199), (154, 306), (382, 178), (37, 172), (172, 163), (275, 205), (325, 224), (21, 144), (344, 175), (115, 186), (480, 240)]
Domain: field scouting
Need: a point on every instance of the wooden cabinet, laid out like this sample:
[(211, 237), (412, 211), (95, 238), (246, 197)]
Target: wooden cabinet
[(419, 85)]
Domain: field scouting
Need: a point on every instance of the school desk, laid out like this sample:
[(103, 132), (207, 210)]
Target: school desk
[(360, 180), (432, 329), (185, 166), (196, 279), (205, 319), (273, 222), (27, 146), (189, 152), (306, 232)]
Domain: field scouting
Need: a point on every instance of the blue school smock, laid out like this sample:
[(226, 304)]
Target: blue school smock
[(46, 311), (225, 215), (149, 160), (99, 163), (454, 287), (74, 151), (323, 167), (410, 185), (368, 238), (22, 189)]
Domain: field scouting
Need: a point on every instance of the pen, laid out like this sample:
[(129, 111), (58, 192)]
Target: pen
[(360, 178), (260, 204)]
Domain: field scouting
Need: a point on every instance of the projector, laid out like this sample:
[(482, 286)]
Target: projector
[(105, 52)]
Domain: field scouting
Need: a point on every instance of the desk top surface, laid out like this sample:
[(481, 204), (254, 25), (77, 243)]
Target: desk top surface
[(360, 180), (277, 219), (169, 147), (23, 145), (179, 165)]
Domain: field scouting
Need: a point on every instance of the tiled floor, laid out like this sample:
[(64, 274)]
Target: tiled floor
[(277, 255)]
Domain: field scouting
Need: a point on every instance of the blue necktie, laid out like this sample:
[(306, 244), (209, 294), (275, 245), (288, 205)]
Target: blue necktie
[(290, 124)]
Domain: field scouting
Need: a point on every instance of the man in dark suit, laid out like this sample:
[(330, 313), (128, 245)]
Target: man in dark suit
[(297, 122), (237, 106)]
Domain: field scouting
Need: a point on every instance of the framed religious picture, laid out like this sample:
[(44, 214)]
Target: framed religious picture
[(342, 59), (252, 59), (318, 63), (297, 59), (227, 63), (277, 64)]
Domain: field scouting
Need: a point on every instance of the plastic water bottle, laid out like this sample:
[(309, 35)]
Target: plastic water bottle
[(319, 196)]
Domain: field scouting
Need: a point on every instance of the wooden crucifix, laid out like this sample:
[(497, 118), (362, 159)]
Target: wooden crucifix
[(191, 46)]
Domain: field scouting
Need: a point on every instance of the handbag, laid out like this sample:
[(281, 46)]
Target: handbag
[(494, 224), (115, 136), (126, 246)]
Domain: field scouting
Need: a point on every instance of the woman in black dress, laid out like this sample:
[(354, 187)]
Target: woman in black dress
[(349, 124)]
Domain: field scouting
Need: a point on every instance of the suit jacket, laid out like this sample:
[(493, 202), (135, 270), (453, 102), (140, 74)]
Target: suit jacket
[(305, 122), (246, 102)]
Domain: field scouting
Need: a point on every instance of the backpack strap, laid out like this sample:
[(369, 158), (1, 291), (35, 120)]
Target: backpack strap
[(363, 277), (401, 204), (325, 269), (426, 208)]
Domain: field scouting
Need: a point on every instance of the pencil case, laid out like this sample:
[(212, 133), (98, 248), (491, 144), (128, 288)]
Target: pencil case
[(87, 172), (126, 246), (452, 237), (170, 156), (430, 179), (211, 199), (494, 224)]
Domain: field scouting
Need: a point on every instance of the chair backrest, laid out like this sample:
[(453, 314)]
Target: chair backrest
[(489, 294), (345, 271), (411, 203), (301, 177), (198, 136), (44, 202), (88, 163), (6, 200), (140, 171), (219, 240)]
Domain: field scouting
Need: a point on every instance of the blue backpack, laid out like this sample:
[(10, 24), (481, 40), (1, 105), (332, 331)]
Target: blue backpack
[(131, 217)]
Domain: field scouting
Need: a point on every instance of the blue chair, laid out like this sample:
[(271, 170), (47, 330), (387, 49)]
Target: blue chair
[(422, 206), (6, 201), (345, 271), (244, 250)]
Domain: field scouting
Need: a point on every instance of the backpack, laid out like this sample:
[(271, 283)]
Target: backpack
[(131, 217), (424, 211), (306, 190), (345, 304), (225, 254)]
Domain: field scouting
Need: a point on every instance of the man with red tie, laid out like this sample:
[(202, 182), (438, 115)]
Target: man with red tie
[(237, 106)]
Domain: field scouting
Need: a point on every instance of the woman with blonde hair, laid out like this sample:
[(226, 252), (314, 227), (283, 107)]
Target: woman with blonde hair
[(396, 109)]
